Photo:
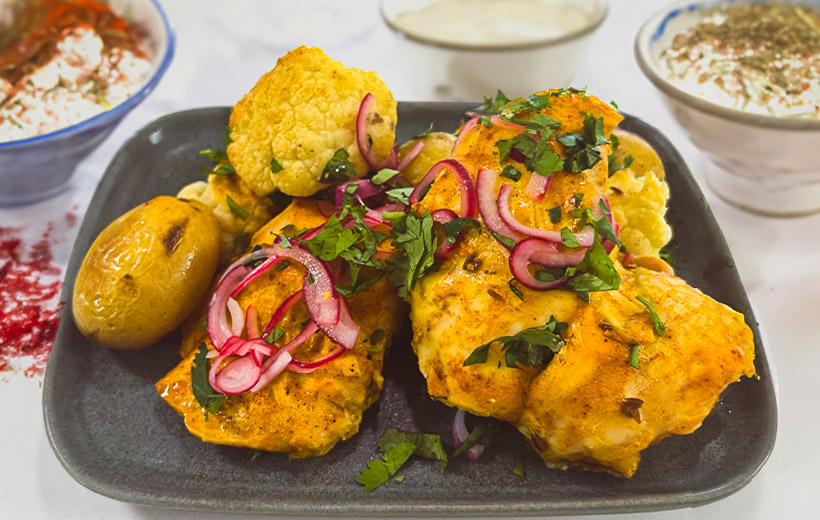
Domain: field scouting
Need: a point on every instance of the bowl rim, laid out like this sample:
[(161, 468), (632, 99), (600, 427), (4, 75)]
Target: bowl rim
[(592, 25), (655, 26), (118, 111)]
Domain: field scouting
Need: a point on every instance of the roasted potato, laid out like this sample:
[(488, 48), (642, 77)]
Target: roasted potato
[(146, 272), (437, 146)]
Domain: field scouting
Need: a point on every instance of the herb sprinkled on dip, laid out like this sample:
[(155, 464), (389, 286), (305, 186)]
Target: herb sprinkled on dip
[(64, 61), (762, 58)]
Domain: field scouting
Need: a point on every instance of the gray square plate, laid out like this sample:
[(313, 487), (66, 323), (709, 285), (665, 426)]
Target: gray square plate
[(114, 434)]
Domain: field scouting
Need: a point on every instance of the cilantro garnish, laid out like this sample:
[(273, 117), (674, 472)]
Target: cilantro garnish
[(477, 435), (667, 256), (217, 156), (377, 336), (633, 358), (582, 149), (221, 164), (534, 347), (206, 396), (400, 195), (415, 244), (495, 104), (275, 167), (657, 324), (515, 290), (510, 172), (236, 209), (519, 470), (539, 157), (274, 336), (454, 228), (338, 169), (568, 238), (555, 214), (597, 273), (383, 175), (426, 132), (613, 164), (396, 447), (506, 241)]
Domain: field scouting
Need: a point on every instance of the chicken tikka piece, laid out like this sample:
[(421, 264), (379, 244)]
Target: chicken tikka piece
[(468, 301), (301, 414), (617, 383), (593, 409)]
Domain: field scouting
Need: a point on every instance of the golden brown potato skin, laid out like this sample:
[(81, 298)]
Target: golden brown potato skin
[(437, 146), (303, 415), (146, 272)]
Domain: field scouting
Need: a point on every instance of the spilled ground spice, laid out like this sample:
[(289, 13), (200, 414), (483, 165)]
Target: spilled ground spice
[(30, 284)]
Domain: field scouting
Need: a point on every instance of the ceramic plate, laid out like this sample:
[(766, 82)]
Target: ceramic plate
[(114, 434)]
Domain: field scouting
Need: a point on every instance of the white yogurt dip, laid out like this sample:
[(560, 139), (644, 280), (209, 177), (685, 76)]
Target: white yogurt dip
[(495, 22), (759, 58), (81, 78)]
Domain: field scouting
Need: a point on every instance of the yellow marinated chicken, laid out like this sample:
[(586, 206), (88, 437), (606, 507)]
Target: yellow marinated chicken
[(302, 414), (591, 408), (469, 301)]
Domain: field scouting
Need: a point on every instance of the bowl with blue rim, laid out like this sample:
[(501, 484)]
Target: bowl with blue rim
[(36, 167)]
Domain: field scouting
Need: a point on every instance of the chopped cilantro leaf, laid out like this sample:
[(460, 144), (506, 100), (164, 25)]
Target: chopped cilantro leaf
[(454, 228), (510, 172), (274, 336), (206, 396), (379, 471), (582, 149), (236, 209), (633, 358), (533, 347), (384, 175), (667, 256), (658, 325), (217, 156), (284, 242), (425, 133), (612, 160), (480, 432), (555, 214), (329, 243), (568, 238), (495, 104), (506, 241), (275, 167), (338, 169), (519, 470), (415, 244), (516, 291), (400, 195), (598, 272), (377, 336), (397, 447)]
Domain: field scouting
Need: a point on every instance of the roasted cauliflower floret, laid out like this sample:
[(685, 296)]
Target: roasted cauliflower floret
[(236, 230), (638, 195), (298, 116)]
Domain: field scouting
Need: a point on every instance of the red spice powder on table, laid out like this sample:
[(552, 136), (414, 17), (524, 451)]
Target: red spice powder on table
[(30, 284)]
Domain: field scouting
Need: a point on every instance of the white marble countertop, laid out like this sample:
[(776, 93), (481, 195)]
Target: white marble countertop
[(223, 47)]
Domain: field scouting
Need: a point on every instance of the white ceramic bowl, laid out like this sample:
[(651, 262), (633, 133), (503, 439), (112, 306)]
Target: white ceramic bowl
[(464, 72), (762, 163)]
